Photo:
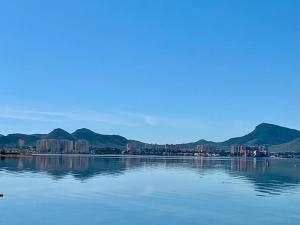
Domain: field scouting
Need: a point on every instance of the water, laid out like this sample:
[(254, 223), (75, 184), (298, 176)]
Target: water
[(149, 190)]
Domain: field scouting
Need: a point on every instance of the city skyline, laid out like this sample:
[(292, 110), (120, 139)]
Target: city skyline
[(163, 72)]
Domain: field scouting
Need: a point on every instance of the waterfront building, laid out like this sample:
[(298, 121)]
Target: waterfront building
[(234, 149), (154, 146), (206, 148), (243, 150), (81, 146), (55, 146), (131, 148), (172, 148), (21, 143)]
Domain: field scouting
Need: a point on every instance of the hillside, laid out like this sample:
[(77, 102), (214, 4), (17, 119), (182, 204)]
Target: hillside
[(95, 139), (200, 142), (100, 140), (292, 146), (59, 134), (265, 134)]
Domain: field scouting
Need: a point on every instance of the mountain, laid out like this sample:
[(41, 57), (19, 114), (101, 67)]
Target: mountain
[(199, 142), (100, 140), (94, 139), (59, 134), (263, 134), (292, 146), (266, 134)]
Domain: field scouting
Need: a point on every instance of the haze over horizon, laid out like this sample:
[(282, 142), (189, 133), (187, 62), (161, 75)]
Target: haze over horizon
[(158, 72)]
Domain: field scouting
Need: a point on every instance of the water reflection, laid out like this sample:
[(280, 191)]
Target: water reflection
[(271, 176)]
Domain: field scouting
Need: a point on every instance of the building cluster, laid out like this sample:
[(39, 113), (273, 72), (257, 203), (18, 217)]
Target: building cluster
[(63, 146), (172, 150), (255, 151), (206, 150), (154, 146), (20, 146), (199, 150), (56, 146)]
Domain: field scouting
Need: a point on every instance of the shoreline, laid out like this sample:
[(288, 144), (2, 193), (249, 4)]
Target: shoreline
[(136, 156), (20, 155)]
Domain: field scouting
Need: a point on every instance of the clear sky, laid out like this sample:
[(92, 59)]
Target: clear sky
[(155, 71)]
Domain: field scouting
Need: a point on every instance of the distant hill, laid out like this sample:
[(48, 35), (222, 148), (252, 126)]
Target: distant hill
[(200, 142), (292, 146), (266, 134), (59, 134), (263, 134), (94, 139), (100, 140)]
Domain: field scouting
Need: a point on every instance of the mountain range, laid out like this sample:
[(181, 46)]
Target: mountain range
[(263, 134)]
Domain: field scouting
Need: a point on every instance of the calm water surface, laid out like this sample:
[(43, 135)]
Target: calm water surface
[(149, 190)]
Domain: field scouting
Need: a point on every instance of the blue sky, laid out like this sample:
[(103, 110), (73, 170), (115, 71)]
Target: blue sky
[(156, 71)]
